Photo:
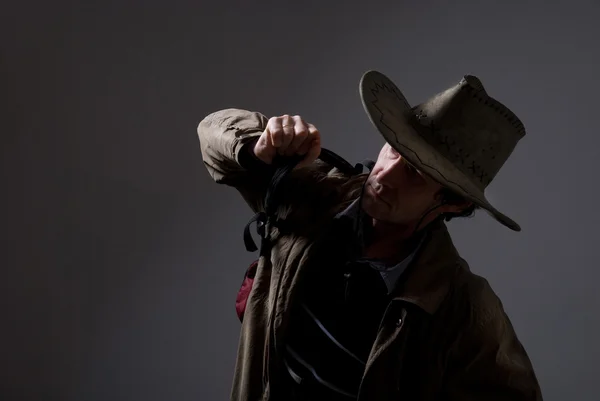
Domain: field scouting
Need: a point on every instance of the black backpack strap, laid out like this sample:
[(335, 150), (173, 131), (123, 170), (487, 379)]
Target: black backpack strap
[(335, 160), (284, 166), (368, 163), (261, 219)]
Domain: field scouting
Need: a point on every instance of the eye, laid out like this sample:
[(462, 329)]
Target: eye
[(412, 169), (413, 172)]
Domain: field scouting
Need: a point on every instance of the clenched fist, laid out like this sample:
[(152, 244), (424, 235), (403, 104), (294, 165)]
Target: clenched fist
[(288, 136)]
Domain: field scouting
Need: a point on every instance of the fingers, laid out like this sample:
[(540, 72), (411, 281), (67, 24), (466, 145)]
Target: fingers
[(275, 130), (287, 133), (313, 144), (281, 130), (288, 129), (311, 135), (288, 136), (303, 149), (263, 148), (299, 137)]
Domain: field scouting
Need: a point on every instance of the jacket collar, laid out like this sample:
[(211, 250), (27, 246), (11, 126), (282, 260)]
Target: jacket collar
[(430, 276)]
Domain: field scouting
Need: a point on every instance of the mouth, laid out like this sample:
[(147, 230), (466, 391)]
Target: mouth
[(377, 194)]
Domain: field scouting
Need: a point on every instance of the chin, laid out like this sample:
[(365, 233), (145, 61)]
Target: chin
[(374, 210), (382, 213)]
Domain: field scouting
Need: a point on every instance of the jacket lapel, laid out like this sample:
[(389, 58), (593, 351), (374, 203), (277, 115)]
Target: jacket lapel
[(428, 279), (425, 284)]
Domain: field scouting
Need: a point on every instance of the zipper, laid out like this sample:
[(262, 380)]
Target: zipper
[(347, 277), (371, 361)]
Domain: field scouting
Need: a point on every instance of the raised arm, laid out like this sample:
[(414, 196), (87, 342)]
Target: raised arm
[(238, 147)]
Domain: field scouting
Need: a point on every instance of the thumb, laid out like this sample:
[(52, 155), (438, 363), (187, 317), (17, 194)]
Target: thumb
[(263, 149)]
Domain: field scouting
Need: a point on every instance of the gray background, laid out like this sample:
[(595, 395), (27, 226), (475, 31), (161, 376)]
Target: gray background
[(120, 257)]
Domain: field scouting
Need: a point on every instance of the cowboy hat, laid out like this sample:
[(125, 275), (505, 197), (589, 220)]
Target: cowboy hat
[(460, 137)]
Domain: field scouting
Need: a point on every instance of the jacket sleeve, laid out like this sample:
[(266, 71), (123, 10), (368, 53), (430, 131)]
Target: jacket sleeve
[(488, 360), (225, 137)]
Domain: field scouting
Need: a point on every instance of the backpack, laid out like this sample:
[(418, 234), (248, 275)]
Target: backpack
[(283, 166)]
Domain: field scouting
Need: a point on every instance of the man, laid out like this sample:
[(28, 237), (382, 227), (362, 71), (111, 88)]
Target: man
[(362, 295)]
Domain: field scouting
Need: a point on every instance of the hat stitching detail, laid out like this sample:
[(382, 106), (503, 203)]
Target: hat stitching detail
[(478, 171), (498, 107)]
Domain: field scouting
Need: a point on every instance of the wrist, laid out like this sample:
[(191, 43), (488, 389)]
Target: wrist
[(248, 158)]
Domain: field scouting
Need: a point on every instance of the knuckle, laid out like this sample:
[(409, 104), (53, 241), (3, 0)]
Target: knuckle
[(301, 132), (273, 125)]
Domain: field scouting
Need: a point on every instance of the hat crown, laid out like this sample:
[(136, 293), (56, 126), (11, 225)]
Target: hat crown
[(468, 127)]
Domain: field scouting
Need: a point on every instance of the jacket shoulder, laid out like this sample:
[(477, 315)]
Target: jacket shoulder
[(479, 304), (487, 354)]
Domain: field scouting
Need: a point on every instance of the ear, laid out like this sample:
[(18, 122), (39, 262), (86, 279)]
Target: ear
[(450, 203), (447, 208), (453, 206)]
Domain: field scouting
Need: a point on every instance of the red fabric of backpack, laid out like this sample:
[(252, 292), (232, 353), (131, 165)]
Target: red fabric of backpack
[(244, 292)]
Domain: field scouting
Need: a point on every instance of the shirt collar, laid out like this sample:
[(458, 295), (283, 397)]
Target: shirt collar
[(358, 219)]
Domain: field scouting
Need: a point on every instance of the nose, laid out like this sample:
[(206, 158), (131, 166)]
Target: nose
[(390, 173)]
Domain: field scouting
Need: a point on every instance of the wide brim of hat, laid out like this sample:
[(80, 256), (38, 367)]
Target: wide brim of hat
[(390, 112)]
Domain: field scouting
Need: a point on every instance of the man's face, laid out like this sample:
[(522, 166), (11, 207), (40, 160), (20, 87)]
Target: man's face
[(396, 192)]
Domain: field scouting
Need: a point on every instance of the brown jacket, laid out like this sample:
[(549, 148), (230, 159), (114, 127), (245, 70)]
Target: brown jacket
[(444, 335)]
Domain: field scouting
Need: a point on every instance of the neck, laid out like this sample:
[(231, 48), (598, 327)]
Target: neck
[(389, 241)]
